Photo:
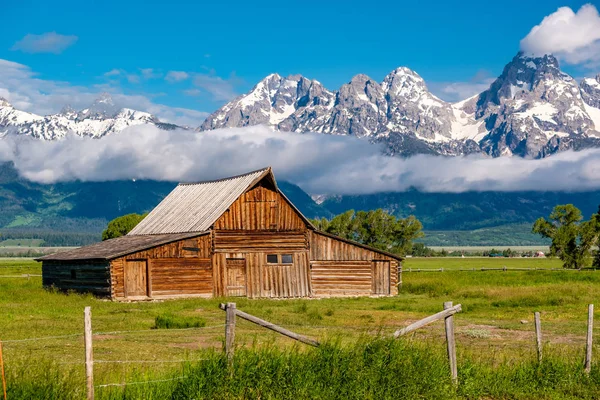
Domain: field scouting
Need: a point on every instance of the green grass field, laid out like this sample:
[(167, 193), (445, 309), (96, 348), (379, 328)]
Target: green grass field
[(494, 331)]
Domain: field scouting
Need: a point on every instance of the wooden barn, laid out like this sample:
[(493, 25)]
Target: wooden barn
[(237, 236)]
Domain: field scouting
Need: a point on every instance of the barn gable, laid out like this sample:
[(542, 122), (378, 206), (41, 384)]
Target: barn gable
[(195, 207)]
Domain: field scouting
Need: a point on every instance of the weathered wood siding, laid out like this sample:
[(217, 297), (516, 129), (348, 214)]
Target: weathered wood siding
[(264, 279), (341, 278), (176, 276), (194, 249), (335, 268), (81, 276), (256, 241), (198, 247), (260, 208)]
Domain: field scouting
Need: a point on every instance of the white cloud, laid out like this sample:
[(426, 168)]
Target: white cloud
[(113, 72), (133, 78), (192, 92), (49, 42), (220, 89), (20, 86), (150, 73), (572, 37), (323, 164), (176, 76), (456, 91)]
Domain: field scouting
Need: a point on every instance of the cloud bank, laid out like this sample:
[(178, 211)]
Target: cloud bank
[(320, 164), (49, 42), (573, 37)]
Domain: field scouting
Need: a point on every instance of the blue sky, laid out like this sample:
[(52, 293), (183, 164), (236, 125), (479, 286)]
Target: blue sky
[(224, 48)]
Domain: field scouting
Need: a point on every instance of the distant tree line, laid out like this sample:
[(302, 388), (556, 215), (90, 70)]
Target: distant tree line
[(51, 238), (573, 238)]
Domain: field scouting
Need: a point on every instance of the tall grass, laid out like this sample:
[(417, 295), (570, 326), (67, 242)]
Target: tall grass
[(369, 369)]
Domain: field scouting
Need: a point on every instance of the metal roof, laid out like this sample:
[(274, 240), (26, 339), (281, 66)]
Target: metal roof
[(194, 207), (113, 248)]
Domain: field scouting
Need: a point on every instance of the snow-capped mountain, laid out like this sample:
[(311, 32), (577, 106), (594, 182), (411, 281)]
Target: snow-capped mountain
[(102, 118), (532, 109)]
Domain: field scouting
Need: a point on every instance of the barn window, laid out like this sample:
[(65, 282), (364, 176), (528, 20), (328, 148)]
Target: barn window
[(272, 258), (73, 274), (286, 259)]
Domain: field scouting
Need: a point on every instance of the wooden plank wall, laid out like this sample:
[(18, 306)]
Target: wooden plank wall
[(176, 276), (87, 276), (254, 241), (266, 280), (260, 208), (341, 278), (198, 247), (325, 248), (194, 248)]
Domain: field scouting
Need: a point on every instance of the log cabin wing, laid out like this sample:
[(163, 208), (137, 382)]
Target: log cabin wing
[(238, 236)]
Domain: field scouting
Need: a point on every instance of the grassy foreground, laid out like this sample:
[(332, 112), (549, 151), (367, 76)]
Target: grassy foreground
[(370, 369), (494, 333)]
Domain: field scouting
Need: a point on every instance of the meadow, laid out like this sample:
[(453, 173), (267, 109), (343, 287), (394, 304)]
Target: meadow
[(181, 339)]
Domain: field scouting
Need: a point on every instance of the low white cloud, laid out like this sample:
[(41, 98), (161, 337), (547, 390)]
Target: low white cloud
[(176, 76), (49, 42), (320, 164), (573, 37), (25, 91)]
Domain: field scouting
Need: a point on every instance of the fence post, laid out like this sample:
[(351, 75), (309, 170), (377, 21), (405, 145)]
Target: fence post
[(449, 321), (538, 335), (2, 367), (89, 354), (588, 343), (230, 332)]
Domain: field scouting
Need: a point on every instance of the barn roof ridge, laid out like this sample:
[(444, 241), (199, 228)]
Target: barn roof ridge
[(196, 207), (265, 169)]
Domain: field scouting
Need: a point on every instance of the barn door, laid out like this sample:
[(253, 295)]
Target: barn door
[(235, 277), (136, 279), (381, 277)]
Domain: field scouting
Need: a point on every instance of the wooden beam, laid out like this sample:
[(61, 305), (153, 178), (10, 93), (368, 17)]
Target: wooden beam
[(451, 344), (229, 332), (538, 335), (426, 321), (89, 355), (273, 327), (588, 342)]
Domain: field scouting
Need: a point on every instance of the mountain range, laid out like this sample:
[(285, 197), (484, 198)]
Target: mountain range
[(102, 118), (532, 110)]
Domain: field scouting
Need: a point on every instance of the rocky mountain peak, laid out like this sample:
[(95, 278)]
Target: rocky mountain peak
[(103, 107), (403, 82), (590, 92), (67, 111), (4, 102)]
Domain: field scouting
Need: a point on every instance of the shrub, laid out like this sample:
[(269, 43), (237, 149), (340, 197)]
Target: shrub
[(171, 321)]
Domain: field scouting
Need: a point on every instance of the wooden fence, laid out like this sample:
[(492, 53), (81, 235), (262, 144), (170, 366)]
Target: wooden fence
[(232, 312)]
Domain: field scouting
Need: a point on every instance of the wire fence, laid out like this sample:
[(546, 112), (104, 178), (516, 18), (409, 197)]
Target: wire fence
[(229, 330)]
